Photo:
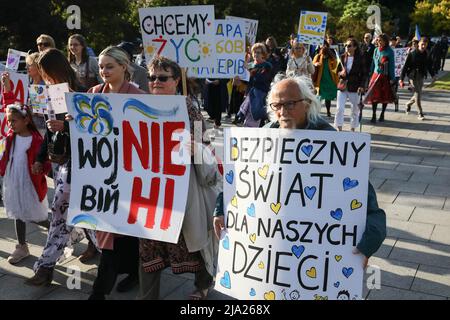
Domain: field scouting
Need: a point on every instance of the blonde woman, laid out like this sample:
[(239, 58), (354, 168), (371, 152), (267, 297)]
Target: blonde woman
[(299, 64)]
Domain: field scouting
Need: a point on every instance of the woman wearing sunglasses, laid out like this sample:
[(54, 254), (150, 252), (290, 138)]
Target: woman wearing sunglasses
[(44, 42), (194, 251), (352, 72), (119, 253), (299, 64)]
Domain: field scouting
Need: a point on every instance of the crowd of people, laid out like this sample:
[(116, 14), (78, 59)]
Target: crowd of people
[(285, 90)]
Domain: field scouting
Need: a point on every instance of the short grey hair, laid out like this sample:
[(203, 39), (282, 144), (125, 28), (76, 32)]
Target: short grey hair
[(306, 89)]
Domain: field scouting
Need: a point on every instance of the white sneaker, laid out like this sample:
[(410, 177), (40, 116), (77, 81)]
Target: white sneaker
[(19, 254), (420, 117)]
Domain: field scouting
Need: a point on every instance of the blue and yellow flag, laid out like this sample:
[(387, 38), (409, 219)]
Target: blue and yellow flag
[(417, 33)]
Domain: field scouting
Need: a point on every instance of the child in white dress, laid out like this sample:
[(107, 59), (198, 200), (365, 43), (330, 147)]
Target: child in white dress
[(24, 193)]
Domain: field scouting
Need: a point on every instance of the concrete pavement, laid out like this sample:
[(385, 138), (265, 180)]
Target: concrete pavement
[(410, 169)]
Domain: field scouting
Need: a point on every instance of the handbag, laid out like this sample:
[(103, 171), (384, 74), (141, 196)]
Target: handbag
[(342, 84), (58, 148)]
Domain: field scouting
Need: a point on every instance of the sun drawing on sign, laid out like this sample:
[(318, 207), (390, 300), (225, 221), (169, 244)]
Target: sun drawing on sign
[(151, 49), (205, 49)]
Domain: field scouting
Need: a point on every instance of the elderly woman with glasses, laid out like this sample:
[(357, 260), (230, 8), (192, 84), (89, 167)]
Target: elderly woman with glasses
[(299, 64), (196, 248)]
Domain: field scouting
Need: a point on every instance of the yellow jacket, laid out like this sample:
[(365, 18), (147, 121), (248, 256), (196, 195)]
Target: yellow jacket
[(332, 65)]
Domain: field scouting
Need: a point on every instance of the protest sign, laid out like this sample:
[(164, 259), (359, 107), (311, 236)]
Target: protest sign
[(295, 204), (3, 132), (312, 26), (19, 87), (128, 164), (38, 97), (230, 53), (400, 55), (56, 97), (184, 34), (251, 29), (13, 59)]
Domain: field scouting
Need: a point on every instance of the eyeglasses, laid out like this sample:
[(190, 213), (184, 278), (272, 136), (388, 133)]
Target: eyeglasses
[(298, 48), (348, 46), (288, 105), (44, 44), (160, 78)]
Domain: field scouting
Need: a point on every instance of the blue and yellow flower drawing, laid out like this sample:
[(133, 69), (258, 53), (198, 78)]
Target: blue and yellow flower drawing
[(93, 116)]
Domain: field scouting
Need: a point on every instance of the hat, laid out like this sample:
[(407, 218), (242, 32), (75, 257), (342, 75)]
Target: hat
[(128, 47)]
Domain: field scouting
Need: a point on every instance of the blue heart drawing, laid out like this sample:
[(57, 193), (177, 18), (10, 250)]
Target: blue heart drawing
[(297, 250), (226, 243), (229, 177), (225, 280), (347, 272), (337, 214), (307, 150), (349, 183), (336, 284), (310, 192), (251, 210), (252, 292)]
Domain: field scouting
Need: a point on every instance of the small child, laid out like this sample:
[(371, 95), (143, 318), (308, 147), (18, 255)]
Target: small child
[(24, 193)]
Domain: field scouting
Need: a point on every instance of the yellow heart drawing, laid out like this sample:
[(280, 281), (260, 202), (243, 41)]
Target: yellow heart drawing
[(263, 171), (234, 153), (311, 272), (275, 207), (234, 202), (261, 265), (269, 295), (253, 237), (355, 204), (338, 258)]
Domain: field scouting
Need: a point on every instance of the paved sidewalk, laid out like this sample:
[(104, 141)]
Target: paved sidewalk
[(410, 169)]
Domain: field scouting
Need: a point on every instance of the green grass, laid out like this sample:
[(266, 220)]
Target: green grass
[(442, 83)]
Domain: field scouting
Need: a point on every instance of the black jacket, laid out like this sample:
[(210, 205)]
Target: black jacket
[(358, 73), (417, 63)]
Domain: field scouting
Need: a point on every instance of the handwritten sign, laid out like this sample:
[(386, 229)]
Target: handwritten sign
[(38, 97), (400, 55), (295, 207), (19, 87), (129, 164), (251, 28), (230, 52), (184, 34), (3, 132), (312, 26), (57, 99), (13, 59)]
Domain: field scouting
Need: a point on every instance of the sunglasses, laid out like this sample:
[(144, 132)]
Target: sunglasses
[(44, 44), (160, 78)]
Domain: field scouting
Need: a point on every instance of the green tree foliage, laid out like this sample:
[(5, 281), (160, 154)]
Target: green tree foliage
[(349, 17), (21, 22), (433, 17)]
